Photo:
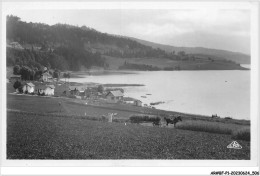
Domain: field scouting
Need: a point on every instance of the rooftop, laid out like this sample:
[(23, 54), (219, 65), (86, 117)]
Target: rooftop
[(30, 84), (116, 93)]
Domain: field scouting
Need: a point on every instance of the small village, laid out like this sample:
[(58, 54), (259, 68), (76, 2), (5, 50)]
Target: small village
[(53, 87)]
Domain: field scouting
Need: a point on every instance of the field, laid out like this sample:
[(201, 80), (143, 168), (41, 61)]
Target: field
[(40, 128), (50, 137)]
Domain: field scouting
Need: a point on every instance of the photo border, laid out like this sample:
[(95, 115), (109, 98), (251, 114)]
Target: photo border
[(254, 92)]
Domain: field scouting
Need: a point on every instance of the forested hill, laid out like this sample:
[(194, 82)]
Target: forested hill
[(69, 47)]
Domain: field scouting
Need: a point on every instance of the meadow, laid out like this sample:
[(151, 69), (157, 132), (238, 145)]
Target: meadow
[(34, 136), (63, 128)]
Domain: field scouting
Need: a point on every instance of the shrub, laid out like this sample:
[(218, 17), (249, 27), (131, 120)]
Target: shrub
[(143, 118), (72, 96), (211, 127), (241, 134), (17, 84)]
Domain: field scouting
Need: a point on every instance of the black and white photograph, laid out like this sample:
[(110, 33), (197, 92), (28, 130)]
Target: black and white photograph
[(84, 82)]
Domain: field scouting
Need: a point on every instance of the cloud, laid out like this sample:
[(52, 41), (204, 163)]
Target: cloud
[(222, 29)]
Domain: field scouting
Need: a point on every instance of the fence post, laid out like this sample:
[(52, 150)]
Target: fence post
[(110, 117)]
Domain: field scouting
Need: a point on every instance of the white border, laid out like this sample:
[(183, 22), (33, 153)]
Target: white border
[(253, 6)]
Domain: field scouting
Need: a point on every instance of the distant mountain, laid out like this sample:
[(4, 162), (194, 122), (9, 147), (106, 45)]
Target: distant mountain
[(240, 58)]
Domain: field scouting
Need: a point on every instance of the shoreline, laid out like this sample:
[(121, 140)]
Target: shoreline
[(112, 85), (127, 109), (94, 72)]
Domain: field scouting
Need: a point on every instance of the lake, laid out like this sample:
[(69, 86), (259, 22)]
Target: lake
[(225, 93)]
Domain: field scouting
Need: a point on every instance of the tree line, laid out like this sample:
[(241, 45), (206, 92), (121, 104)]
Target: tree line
[(73, 44)]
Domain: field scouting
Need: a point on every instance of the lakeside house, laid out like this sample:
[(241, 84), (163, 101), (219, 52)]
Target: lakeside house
[(28, 87), (133, 101), (137, 102), (129, 100), (15, 78), (115, 96), (45, 89), (78, 91)]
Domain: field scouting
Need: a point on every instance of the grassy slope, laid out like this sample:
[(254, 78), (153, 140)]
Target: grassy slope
[(215, 53), (77, 107), (48, 137), (43, 134), (202, 64)]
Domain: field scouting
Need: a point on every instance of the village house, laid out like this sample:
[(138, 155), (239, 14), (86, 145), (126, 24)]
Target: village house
[(15, 78), (129, 100), (133, 101), (77, 90), (45, 89), (28, 88), (16, 45), (46, 77), (137, 102), (115, 96)]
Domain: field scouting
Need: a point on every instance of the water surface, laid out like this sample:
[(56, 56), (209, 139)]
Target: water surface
[(226, 93)]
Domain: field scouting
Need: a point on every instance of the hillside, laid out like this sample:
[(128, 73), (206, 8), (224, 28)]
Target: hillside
[(67, 47), (240, 58)]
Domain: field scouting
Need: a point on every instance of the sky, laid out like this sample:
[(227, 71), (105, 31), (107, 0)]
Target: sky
[(210, 28)]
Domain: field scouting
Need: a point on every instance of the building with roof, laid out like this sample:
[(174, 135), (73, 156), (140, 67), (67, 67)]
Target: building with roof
[(28, 88), (115, 96), (45, 89), (137, 102), (16, 45), (133, 101), (46, 77), (15, 78), (77, 90)]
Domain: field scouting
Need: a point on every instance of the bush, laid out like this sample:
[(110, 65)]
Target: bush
[(211, 127), (143, 118), (242, 134), (17, 84), (72, 96)]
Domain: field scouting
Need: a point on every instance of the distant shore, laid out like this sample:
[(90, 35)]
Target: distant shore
[(96, 72)]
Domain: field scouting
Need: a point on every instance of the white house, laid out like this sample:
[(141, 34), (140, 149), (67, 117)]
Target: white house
[(45, 89), (49, 90), (28, 88)]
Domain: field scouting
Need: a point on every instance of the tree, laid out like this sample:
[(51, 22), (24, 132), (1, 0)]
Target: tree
[(38, 74), (65, 76), (16, 70), (25, 73), (68, 76), (181, 53), (101, 88), (17, 84), (51, 73), (56, 74)]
